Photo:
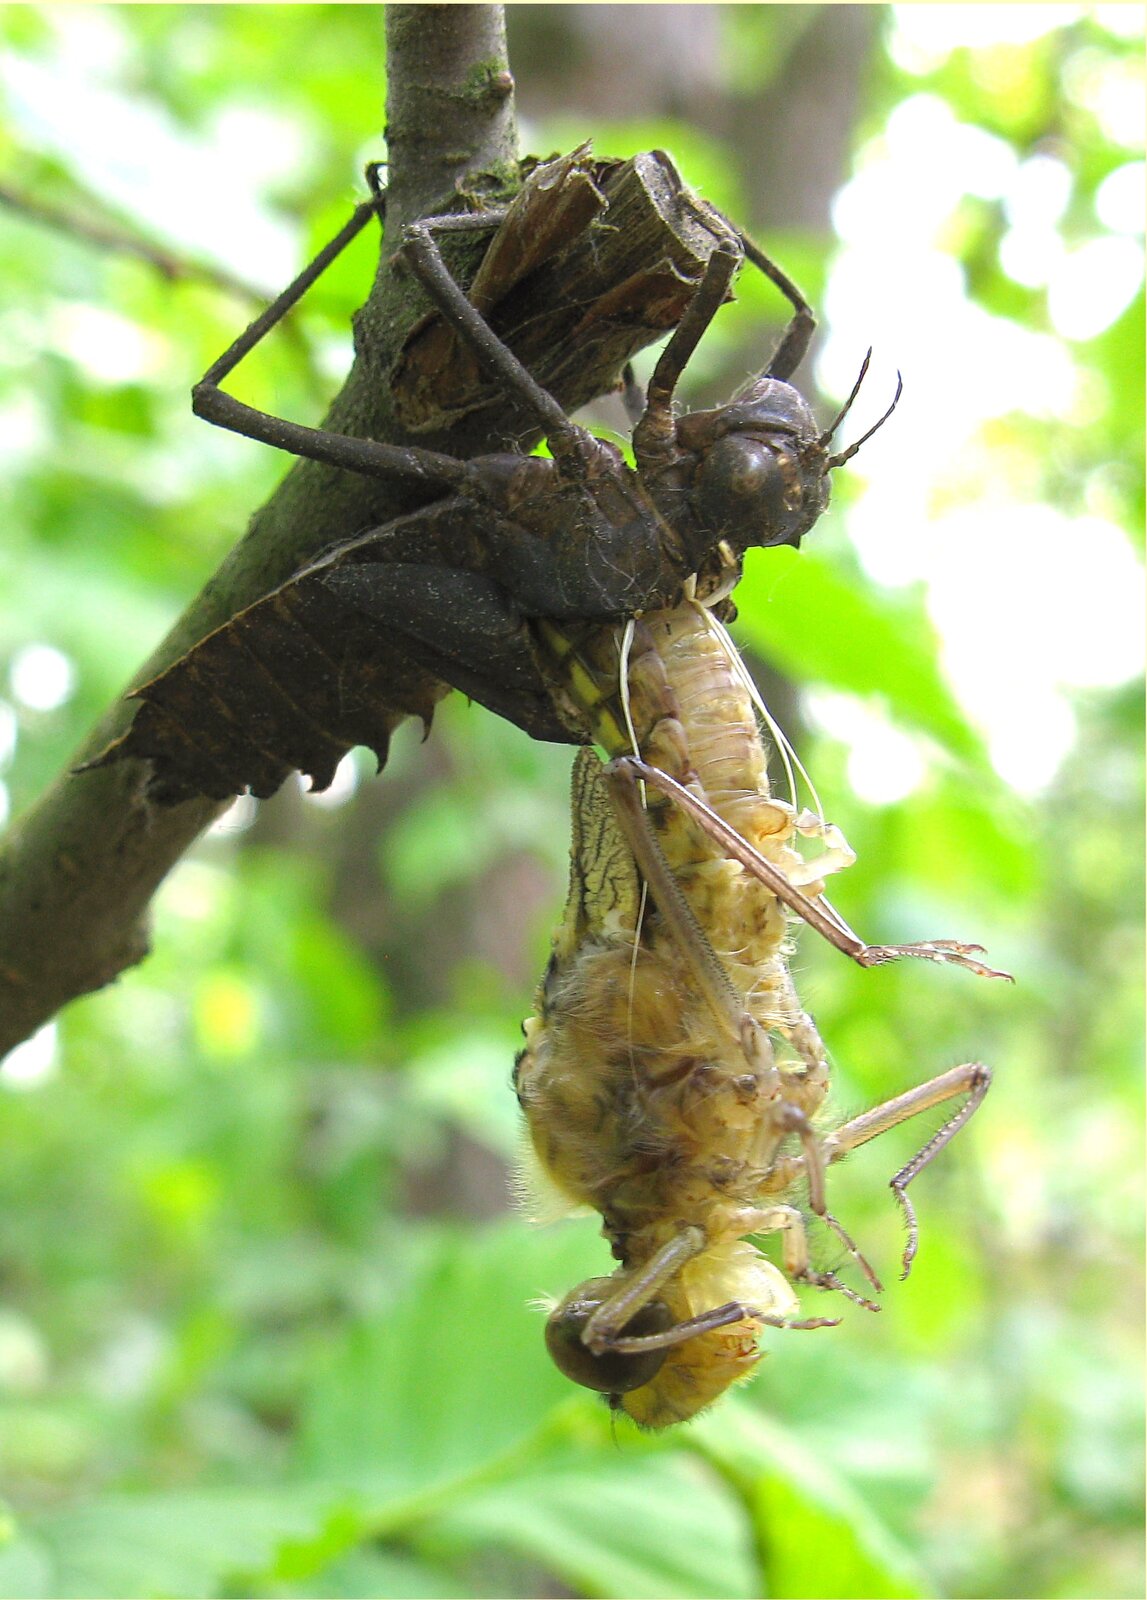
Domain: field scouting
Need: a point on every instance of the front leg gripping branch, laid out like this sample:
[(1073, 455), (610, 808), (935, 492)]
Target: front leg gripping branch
[(572, 447), (367, 457)]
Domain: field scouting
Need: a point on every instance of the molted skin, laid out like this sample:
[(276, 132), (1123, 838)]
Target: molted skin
[(752, 473), (379, 627)]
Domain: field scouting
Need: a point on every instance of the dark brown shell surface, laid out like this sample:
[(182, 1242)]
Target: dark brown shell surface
[(291, 683), (595, 260)]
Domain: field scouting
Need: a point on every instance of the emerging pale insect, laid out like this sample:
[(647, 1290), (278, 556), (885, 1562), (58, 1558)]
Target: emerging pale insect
[(670, 1078)]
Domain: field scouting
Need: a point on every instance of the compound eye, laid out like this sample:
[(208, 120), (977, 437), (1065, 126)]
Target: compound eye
[(741, 487), (614, 1371), (742, 466), (752, 492)]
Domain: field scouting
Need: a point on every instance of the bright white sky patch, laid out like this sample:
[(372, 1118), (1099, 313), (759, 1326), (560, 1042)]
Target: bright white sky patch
[(1029, 603), (24, 431), (1090, 286), (937, 159), (41, 677), (1112, 91), (959, 154), (342, 785), (1038, 193), (1029, 594), (9, 732), (1028, 255), (237, 818), (1034, 203), (884, 764), (32, 1063), (1121, 199), (1029, 739), (925, 34), (110, 348), (202, 198), (1123, 20)]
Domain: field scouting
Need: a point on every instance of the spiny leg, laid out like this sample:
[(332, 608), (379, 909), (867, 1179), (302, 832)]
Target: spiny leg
[(802, 325), (293, 293), (972, 1079), (817, 913), (605, 1325), (788, 1222), (624, 776), (707, 1321), (602, 1331), (794, 1120)]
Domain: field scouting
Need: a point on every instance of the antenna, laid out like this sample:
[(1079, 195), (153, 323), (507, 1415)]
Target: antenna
[(826, 437)]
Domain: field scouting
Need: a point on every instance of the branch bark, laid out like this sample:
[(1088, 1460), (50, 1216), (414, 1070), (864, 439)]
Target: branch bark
[(77, 872)]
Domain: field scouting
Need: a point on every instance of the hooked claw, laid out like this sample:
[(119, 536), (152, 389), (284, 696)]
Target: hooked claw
[(948, 951)]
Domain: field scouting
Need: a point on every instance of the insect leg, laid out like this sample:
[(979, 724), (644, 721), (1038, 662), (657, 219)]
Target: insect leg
[(654, 435), (706, 1321), (713, 981), (817, 913), (725, 1004), (366, 456), (798, 335), (788, 1222), (790, 1119), (568, 442), (972, 1079), (602, 1331), (606, 1323)]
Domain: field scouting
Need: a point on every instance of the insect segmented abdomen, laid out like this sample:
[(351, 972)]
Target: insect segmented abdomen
[(687, 710), (641, 1099)]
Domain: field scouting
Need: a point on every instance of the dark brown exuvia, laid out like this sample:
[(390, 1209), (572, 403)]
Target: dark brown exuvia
[(382, 625)]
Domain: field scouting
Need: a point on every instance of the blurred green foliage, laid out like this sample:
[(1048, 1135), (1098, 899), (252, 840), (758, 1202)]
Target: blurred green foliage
[(265, 1311)]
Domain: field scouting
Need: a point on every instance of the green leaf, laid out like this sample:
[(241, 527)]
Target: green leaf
[(453, 1376), (816, 1535), (186, 1543), (25, 1570), (797, 612), (653, 1525), (379, 1575)]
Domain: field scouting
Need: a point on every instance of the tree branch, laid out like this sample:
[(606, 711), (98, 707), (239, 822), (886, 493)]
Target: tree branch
[(170, 264), (77, 871)]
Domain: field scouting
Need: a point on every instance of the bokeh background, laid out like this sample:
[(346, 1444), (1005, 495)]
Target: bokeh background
[(265, 1320)]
